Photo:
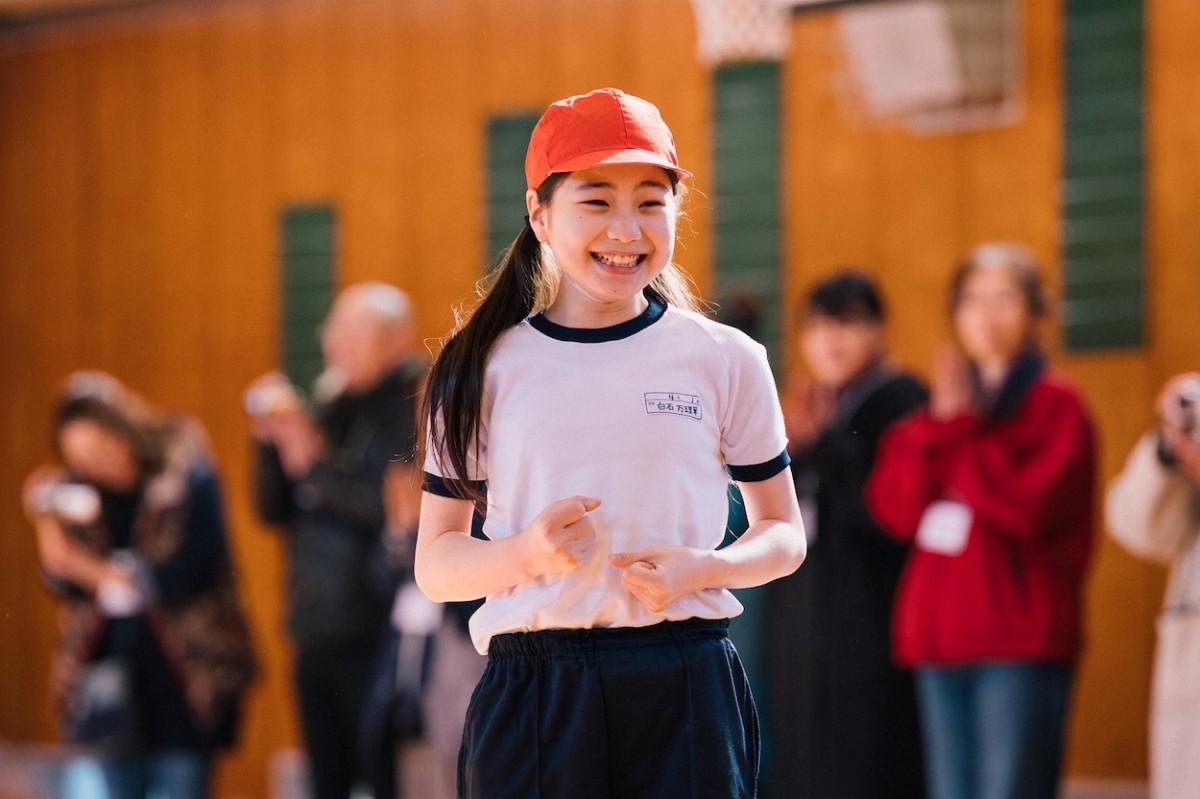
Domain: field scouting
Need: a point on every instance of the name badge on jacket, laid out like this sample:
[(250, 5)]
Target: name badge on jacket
[(945, 527)]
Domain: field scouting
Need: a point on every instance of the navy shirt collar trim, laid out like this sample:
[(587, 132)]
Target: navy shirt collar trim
[(596, 335)]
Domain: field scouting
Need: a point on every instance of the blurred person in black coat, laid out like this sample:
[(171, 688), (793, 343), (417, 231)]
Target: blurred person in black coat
[(322, 474), (842, 717)]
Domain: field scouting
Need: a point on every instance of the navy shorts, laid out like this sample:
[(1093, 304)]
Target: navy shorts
[(656, 712)]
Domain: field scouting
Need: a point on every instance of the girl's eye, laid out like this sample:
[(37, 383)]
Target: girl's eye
[(653, 204), (597, 203)]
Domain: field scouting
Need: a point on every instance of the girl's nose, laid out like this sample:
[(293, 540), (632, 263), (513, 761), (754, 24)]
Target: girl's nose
[(624, 229)]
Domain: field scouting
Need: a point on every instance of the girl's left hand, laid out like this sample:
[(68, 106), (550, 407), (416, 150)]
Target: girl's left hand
[(660, 575)]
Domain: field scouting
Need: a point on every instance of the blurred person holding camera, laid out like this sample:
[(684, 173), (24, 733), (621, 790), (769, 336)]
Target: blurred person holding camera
[(337, 476), (843, 716), (155, 655), (1153, 510), (993, 486)]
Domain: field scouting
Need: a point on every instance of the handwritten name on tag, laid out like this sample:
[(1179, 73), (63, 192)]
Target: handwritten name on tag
[(675, 403)]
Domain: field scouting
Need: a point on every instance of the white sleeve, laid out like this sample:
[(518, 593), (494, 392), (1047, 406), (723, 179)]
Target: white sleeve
[(437, 460), (1152, 510), (753, 440)]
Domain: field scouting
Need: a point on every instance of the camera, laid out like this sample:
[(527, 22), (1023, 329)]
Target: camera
[(74, 503), (1187, 407)]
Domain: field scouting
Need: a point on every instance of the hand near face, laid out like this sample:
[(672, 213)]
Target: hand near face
[(1185, 449), (950, 389), (279, 417), (1184, 386), (35, 484), (806, 410), (268, 398), (59, 554), (1178, 437)]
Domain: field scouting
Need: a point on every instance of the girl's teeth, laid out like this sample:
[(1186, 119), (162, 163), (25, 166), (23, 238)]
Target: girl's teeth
[(619, 260)]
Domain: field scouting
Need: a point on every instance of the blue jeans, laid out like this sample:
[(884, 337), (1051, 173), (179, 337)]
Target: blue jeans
[(993, 731), (170, 774)]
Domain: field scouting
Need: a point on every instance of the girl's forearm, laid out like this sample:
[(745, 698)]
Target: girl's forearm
[(454, 567), (768, 550)]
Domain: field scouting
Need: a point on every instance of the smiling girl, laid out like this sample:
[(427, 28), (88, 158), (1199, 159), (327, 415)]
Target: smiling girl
[(601, 418)]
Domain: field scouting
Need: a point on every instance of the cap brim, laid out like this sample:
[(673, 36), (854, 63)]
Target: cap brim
[(627, 156)]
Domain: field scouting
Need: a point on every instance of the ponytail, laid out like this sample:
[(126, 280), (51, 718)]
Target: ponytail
[(453, 401)]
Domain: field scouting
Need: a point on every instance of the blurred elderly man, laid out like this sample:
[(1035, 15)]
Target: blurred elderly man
[(336, 475)]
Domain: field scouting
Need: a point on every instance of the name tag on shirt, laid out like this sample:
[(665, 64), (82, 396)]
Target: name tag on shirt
[(945, 528)]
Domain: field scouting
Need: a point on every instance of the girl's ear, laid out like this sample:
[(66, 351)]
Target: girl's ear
[(537, 215)]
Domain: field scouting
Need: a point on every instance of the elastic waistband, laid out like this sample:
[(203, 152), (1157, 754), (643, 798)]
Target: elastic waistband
[(552, 643)]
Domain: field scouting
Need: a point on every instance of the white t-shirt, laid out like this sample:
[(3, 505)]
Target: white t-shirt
[(646, 416)]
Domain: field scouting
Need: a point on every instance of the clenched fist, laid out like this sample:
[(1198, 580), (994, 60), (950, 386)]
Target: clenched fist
[(561, 538)]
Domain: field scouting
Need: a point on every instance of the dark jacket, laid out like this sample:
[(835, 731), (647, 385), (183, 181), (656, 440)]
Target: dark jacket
[(1026, 469), (335, 516), (191, 648), (843, 721)]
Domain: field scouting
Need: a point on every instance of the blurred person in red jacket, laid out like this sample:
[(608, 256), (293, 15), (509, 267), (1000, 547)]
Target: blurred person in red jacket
[(993, 484)]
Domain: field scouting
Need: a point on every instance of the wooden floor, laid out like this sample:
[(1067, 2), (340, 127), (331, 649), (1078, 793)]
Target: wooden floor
[(33, 773), (1104, 789)]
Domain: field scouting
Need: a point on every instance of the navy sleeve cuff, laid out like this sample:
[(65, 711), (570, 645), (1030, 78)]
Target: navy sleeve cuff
[(760, 471), (451, 489)]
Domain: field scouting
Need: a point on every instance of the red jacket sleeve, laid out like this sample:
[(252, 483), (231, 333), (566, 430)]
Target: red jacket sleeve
[(1020, 478), (910, 470)]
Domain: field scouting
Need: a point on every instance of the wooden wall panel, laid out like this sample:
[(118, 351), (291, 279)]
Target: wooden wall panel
[(144, 159), (856, 194), (660, 44), (27, 618), (446, 157), (1173, 142), (372, 115)]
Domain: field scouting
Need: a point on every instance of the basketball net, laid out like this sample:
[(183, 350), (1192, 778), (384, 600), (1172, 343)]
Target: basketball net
[(741, 30)]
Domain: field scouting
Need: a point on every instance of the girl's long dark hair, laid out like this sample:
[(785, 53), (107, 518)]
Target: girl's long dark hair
[(521, 285)]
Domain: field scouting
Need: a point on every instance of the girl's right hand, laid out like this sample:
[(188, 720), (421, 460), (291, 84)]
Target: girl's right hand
[(560, 539)]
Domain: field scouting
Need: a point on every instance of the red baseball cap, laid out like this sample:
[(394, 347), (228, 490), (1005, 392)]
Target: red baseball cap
[(605, 126)]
